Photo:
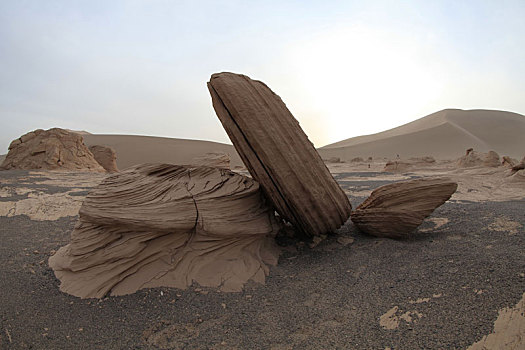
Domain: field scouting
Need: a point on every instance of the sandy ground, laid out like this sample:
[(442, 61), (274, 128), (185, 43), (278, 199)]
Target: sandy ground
[(459, 282)]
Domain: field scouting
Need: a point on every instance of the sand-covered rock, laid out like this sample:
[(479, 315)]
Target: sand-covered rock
[(213, 159), (478, 159), (333, 160), (278, 154), (402, 166), (53, 149), (167, 225), (106, 157), (397, 209)]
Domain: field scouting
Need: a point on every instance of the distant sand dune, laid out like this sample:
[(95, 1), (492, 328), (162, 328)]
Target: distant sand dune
[(133, 149), (444, 135)]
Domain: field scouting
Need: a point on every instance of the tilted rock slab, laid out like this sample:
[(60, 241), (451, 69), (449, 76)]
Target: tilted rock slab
[(278, 154), (53, 149), (106, 157), (397, 209), (167, 225)]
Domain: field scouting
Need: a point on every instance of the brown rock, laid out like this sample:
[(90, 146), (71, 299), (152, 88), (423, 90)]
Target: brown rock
[(357, 160), (401, 166), (53, 149), (167, 225), (397, 209), (519, 166), (509, 162), (333, 160), (105, 156), (214, 160), (278, 154), (478, 159)]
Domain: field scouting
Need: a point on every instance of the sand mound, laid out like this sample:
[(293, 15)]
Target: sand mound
[(440, 134), (166, 225), (53, 149), (397, 209), (106, 157), (278, 154), (477, 159), (215, 160), (134, 149)]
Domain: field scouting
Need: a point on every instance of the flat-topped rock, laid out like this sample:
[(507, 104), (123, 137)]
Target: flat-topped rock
[(278, 154), (397, 209), (167, 225)]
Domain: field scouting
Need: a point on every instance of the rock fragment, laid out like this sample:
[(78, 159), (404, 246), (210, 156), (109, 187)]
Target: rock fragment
[(397, 209), (106, 157), (278, 154), (166, 225)]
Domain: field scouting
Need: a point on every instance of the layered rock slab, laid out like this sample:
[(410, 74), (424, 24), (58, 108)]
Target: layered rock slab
[(106, 157), (166, 225), (278, 154), (397, 209), (213, 159), (53, 149)]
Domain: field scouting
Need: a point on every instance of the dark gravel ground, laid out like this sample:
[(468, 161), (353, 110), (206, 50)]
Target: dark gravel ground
[(328, 297)]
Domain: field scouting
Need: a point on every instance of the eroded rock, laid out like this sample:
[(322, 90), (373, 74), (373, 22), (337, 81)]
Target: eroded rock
[(53, 149), (167, 225), (213, 159), (106, 157), (278, 154), (478, 159), (397, 209)]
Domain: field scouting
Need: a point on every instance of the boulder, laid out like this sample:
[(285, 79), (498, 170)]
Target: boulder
[(53, 149), (167, 225), (478, 159), (213, 159), (397, 209), (106, 157), (278, 154)]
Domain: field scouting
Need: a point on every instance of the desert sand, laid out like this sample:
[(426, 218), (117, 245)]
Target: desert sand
[(456, 282)]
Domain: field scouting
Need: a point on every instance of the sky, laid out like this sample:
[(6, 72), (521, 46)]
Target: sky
[(343, 68)]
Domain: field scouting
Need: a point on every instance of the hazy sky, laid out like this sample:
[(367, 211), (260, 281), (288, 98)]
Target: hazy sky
[(344, 68)]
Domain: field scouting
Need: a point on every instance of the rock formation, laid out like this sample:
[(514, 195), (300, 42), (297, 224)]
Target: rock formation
[(400, 166), (106, 157), (477, 159), (509, 162), (397, 209), (333, 160), (167, 225), (53, 149), (357, 160), (214, 159), (278, 154)]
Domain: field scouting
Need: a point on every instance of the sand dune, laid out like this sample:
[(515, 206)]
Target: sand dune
[(133, 149), (444, 135)]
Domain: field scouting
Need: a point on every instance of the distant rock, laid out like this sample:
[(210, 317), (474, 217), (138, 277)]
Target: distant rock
[(397, 209), (106, 157), (357, 160), (333, 160), (401, 166), (213, 159), (278, 154), (478, 159), (167, 225), (509, 162), (53, 149)]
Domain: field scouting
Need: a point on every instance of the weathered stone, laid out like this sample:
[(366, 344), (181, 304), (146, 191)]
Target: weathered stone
[(106, 157), (397, 209), (478, 159), (53, 149), (214, 159), (509, 162), (167, 225), (278, 154), (333, 160), (357, 160)]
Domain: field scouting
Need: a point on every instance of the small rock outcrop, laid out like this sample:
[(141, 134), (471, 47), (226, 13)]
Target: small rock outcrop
[(278, 154), (106, 157), (53, 149), (357, 160), (397, 209), (478, 159), (213, 159), (509, 162), (401, 166), (333, 160), (167, 225)]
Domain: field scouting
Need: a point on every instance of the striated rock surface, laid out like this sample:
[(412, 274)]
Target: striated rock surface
[(278, 154), (53, 149), (167, 225), (397, 209), (213, 159), (478, 159), (106, 157)]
